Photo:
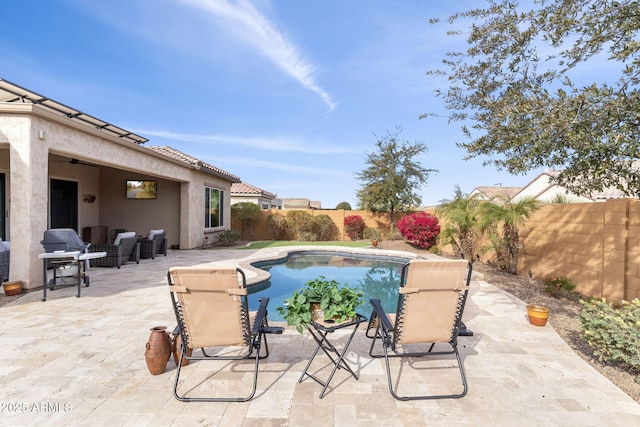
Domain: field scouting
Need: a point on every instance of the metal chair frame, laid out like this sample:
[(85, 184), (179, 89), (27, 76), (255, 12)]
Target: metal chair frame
[(255, 335), (389, 333)]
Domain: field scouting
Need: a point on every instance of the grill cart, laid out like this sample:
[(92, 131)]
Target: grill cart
[(67, 255)]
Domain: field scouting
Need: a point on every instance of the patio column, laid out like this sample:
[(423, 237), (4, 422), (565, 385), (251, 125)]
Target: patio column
[(190, 215), (28, 197)]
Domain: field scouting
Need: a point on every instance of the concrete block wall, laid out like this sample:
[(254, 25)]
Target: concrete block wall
[(378, 221), (597, 245)]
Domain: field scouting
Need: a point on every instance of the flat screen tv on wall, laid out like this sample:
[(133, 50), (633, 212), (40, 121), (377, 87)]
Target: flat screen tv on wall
[(142, 189)]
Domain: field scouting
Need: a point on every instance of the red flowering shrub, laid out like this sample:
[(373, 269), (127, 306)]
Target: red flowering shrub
[(354, 226), (420, 229)]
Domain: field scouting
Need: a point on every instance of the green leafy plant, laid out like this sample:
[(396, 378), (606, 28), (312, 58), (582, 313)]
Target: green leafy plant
[(612, 331), (277, 225), (558, 285), (393, 235), (299, 222), (324, 227), (307, 236), (248, 214), (370, 233), (228, 237), (337, 302)]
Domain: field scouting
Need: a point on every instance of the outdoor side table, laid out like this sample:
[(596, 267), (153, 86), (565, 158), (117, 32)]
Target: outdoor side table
[(65, 260), (320, 332)]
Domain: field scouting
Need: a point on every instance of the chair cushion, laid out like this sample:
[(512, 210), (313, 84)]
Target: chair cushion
[(121, 236), (153, 233)]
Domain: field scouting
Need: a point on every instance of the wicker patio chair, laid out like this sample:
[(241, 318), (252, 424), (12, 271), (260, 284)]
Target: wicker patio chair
[(430, 306), (154, 244), (211, 309), (122, 250)]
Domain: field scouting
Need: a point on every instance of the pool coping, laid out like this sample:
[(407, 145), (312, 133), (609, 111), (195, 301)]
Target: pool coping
[(256, 275)]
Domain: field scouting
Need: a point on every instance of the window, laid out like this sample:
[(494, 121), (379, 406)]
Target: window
[(213, 205)]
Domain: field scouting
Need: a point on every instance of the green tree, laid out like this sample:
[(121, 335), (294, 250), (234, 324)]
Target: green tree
[(344, 205), (461, 223), (248, 213), (393, 177), (518, 86), (503, 220)]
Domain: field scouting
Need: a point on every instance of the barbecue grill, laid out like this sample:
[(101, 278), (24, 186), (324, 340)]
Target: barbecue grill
[(66, 254)]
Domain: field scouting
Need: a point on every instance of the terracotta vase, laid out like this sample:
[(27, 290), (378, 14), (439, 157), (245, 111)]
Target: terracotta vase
[(12, 288), (317, 315), (176, 345), (537, 314), (158, 350)]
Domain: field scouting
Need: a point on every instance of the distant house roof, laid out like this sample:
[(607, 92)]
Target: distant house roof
[(299, 203), (190, 160), (491, 192), (245, 189)]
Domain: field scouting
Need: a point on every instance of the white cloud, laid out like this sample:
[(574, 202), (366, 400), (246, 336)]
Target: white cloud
[(281, 144), (248, 24), (279, 166)]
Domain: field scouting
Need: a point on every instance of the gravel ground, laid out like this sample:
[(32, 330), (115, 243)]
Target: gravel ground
[(563, 318)]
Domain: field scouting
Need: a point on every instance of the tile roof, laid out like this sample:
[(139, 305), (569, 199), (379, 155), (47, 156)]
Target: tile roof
[(190, 160), (239, 188), (295, 203)]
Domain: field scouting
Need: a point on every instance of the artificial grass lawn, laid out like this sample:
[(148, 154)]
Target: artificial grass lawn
[(276, 243)]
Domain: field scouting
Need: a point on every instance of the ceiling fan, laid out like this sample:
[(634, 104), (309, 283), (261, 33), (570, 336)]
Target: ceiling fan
[(80, 162)]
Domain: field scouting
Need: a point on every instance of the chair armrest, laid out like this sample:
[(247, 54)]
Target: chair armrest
[(260, 323), (135, 255), (382, 316), (111, 250), (261, 316)]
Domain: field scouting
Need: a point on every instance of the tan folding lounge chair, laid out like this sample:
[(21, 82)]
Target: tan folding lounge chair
[(430, 306), (211, 309)]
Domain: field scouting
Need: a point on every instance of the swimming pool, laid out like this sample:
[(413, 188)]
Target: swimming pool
[(376, 276)]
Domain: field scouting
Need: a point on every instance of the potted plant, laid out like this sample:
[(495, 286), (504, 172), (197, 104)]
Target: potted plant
[(320, 298), (373, 235)]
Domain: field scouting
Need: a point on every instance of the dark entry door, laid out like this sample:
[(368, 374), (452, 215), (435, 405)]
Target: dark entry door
[(64, 204)]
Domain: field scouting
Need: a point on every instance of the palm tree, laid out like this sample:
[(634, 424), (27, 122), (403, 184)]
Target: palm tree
[(461, 223), (509, 218)]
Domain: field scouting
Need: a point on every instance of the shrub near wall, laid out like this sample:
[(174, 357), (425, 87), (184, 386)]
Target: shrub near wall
[(379, 221), (420, 229), (596, 244), (354, 225), (613, 331)]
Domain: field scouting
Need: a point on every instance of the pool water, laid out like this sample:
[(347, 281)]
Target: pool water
[(377, 277)]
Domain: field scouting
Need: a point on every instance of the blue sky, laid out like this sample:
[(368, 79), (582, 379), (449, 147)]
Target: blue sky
[(286, 94)]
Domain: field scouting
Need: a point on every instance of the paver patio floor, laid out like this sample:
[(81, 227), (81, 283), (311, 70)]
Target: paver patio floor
[(80, 361)]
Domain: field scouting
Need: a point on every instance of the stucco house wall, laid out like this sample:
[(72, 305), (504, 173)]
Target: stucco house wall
[(36, 145)]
